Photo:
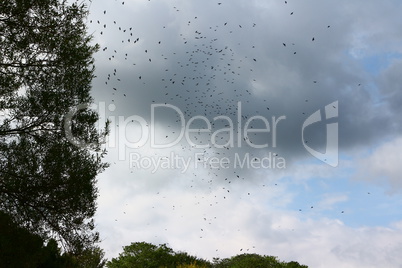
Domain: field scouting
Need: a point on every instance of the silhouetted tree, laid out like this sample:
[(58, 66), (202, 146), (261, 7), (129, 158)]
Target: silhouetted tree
[(50, 148), (20, 248)]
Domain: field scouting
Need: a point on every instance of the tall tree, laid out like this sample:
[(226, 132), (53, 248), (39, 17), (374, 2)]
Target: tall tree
[(50, 147)]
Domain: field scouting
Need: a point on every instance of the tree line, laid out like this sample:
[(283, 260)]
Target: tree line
[(143, 254)]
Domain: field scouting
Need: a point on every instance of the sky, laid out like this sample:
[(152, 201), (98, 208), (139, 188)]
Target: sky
[(268, 127)]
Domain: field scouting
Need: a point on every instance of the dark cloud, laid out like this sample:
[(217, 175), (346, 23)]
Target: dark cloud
[(204, 59)]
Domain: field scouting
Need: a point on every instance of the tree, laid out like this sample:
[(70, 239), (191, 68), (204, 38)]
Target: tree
[(20, 248), (295, 264), (29, 246), (254, 261), (50, 148), (183, 259), (194, 265), (91, 257), (142, 254)]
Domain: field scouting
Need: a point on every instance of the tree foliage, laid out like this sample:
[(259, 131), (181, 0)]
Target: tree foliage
[(20, 248), (47, 178), (255, 261), (142, 254)]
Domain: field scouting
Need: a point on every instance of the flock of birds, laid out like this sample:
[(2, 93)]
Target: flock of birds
[(207, 60), (206, 75)]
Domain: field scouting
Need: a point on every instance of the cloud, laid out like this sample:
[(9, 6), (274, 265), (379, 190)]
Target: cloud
[(382, 165), (209, 225), (181, 73), (390, 82), (329, 200)]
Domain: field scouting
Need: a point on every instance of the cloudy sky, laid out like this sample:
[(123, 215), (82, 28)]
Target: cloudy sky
[(266, 127)]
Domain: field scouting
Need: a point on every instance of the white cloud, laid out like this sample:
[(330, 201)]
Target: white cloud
[(209, 225), (383, 165), (329, 200)]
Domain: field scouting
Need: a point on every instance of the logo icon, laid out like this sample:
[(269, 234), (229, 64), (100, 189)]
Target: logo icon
[(331, 150)]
